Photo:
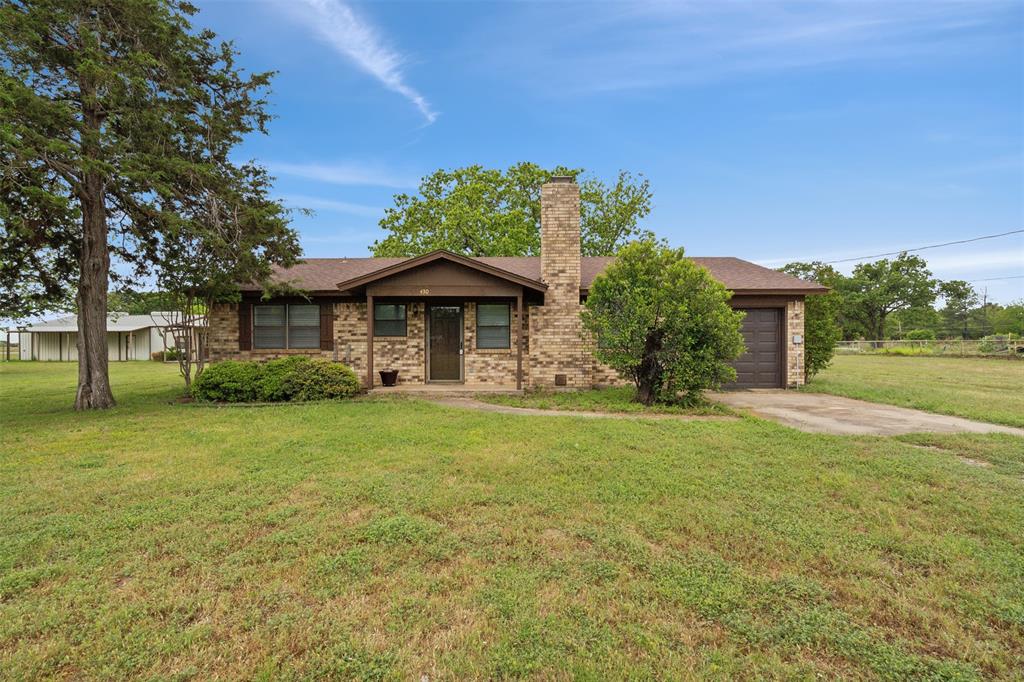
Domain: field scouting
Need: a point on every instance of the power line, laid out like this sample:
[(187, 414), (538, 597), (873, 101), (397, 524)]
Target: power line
[(923, 248), (992, 279)]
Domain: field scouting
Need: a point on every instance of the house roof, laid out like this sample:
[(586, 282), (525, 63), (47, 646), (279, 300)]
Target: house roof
[(116, 322), (478, 264), (323, 275)]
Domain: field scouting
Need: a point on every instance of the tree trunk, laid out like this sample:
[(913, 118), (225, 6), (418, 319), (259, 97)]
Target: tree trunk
[(649, 373), (94, 269)]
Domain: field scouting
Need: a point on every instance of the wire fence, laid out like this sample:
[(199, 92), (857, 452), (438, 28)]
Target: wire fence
[(1004, 346)]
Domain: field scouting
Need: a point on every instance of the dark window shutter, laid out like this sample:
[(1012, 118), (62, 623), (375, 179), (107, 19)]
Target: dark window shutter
[(326, 326), (244, 326)]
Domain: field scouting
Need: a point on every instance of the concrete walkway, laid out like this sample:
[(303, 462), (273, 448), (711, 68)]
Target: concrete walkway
[(820, 413), (471, 404)]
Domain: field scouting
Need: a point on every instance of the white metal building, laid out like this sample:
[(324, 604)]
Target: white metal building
[(129, 337)]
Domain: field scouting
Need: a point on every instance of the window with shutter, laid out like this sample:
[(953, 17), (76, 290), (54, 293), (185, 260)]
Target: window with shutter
[(286, 326)]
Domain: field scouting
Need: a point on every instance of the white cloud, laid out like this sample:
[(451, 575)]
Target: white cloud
[(319, 203), (350, 35), (343, 173), (648, 45)]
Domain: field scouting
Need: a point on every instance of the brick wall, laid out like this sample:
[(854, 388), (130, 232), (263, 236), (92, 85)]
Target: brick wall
[(223, 339), (557, 344), (794, 352), (491, 366)]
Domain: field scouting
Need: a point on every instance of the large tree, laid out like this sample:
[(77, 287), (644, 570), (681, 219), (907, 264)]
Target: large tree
[(480, 211), (1009, 319), (879, 288), (665, 322), (961, 299), (821, 315), (113, 115)]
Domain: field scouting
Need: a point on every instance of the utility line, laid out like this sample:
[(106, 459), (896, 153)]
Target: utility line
[(992, 279), (923, 248)]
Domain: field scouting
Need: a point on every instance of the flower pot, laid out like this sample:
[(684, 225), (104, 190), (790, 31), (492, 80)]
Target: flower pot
[(388, 377)]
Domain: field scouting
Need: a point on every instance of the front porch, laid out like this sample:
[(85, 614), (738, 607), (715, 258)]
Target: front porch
[(445, 323)]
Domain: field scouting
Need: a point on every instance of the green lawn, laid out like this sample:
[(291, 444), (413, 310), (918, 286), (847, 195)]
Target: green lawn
[(394, 539), (989, 390), (617, 399)]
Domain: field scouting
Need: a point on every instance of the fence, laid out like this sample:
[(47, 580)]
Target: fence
[(1010, 346)]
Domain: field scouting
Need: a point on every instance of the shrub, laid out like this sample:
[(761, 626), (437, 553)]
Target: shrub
[(920, 335), (906, 350), (322, 380), (287, 379), (994, 343), (171, 354), (662, 320), (275, 383), (230, 381)]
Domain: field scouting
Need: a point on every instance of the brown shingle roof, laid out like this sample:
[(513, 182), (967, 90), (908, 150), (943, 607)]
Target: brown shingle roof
[(323, 274)]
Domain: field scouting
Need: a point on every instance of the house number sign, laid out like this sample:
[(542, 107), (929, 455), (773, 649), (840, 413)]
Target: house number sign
[(424, 292)]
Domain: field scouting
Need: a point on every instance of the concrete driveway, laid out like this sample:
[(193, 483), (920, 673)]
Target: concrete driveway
[(820, 413)]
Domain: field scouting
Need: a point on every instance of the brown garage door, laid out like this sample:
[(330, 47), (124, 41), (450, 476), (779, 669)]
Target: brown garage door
[(761, 365)]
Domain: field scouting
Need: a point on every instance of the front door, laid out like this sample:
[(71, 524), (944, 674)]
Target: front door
[(445, 353)]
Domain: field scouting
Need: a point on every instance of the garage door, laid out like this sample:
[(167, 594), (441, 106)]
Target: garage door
[(761, 365)]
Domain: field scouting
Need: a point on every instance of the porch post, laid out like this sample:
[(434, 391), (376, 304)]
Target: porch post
[(369, 341), (519, 341)]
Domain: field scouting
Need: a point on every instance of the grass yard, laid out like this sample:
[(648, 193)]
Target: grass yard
[(985, 389), (617, 399), (394, 539)]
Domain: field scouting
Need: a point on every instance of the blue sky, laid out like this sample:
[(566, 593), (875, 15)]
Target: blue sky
[(768, 131)]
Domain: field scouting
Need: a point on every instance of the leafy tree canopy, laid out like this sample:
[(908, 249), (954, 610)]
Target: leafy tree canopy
[(117, 120), (479, 211), (877, 289), (1009, 319), (662, 320), (960, 298)]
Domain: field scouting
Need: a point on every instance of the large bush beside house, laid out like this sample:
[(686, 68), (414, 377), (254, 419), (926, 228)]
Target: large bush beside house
[(284, 380), (665, 322)]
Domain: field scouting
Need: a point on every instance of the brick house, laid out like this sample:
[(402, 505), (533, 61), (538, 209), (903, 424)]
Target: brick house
[(508, 322)]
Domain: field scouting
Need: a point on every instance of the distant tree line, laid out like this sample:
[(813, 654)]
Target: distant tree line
[(900, 299)]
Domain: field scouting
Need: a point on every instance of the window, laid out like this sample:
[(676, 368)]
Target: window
[(286, 326), (492, 325), (389, 319), (303, 326)]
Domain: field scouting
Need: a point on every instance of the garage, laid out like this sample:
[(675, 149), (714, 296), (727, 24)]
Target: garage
[(761, 365)]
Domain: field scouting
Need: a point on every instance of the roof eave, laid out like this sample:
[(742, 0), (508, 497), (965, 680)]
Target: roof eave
[(780, 292), (417, 261)]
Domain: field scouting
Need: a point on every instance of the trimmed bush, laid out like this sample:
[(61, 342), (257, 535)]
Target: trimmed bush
[(276, 379), (322, 380), (287, 379), (228, 382), (920, 335)]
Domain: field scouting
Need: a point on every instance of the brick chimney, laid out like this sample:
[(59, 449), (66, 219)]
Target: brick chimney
[(558, 351), (560, 240)]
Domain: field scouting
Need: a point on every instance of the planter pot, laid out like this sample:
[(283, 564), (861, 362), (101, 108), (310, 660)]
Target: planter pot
[(388, 377)]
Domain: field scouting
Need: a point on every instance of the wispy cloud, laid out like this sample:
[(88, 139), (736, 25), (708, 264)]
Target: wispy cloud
[(355, 38), (648, 45), (321, 204), (343, 173)]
